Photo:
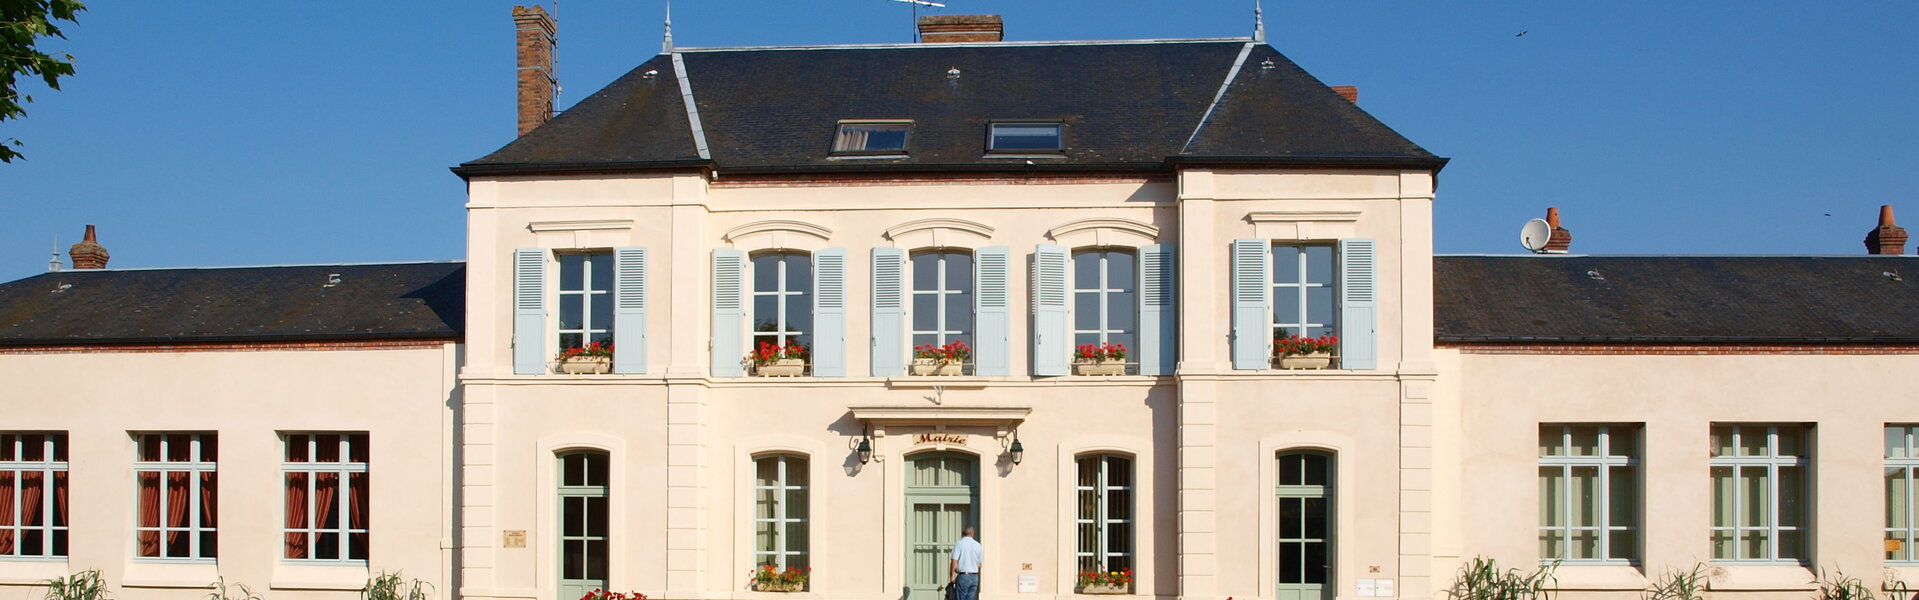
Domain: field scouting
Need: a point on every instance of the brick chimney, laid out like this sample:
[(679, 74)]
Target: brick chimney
[(943, 29), (1888, 237), (534, 40), (1351, 92), (1561, 239), (89, 254)]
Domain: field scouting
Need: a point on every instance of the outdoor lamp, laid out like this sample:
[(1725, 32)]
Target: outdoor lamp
[(866, 445), (1018, 451)]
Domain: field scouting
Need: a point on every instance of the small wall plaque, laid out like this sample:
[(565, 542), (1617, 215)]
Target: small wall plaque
[(514, 538), (1029, 584)]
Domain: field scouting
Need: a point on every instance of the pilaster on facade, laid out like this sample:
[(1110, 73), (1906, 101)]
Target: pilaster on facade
[(1198, 520), (1416, 489), (478, 463), (688, 454)]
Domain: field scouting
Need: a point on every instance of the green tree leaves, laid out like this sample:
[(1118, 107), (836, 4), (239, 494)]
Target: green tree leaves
[(22, 24)]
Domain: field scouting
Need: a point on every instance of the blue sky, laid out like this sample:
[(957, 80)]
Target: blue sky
[(236, 133)]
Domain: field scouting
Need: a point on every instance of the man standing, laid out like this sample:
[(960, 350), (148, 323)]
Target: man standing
[(967, 556)]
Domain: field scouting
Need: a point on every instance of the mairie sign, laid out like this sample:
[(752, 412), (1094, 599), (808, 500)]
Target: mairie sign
[(940, 438)]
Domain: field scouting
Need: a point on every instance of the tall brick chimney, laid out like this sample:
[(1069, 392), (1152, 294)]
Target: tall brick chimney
[(946, 29), (1888, 237), (89, 254), (534, 40), (1561, 239)]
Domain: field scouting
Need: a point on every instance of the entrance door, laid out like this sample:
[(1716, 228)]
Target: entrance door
[(1305, 526), (583, 523), (942, 497)]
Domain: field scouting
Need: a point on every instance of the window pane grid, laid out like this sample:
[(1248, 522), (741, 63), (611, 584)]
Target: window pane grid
[(584, 517), (1113, 305), (586, 296), (33, 486), (175, 487), (948, 280), (1902, 465), (777, 515), (1605, 534), (1751, 499), (1104, 519), (312, 460), (791, 280), (1297, 272)]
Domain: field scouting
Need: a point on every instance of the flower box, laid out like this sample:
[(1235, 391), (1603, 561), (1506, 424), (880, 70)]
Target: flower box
[(779, 586), (1104, 366), (587, 365), (1316, 360), (784, 367), (936, 367), (1105, 589)]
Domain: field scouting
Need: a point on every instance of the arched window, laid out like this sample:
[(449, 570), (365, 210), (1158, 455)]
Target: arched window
[(780, 511), (584, 522), (1105, 513), (1305, 495), (942, 297), (782, 299), (1105, 297)]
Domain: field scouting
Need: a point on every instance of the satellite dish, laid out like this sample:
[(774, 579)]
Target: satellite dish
[(1534, 235)]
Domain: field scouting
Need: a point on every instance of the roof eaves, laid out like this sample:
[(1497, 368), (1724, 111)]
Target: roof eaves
[(469, 170), (229, 339), (1434, 163), (1001, 44)]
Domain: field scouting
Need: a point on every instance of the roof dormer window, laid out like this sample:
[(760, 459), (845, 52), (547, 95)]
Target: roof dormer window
[(1025, 137), (872, 137)]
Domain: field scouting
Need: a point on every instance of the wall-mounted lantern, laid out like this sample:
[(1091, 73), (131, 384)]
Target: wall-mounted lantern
[(866, 444)]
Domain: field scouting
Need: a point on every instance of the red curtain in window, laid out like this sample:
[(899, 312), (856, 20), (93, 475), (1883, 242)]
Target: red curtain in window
[(60, 497), (358, 506), (32, 490), (209, 499), (296, 515), (149, 513), (6, 511), (326, 489), (176, 504)]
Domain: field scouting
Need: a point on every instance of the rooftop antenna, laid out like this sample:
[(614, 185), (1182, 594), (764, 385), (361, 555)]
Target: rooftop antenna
[(666, 47), (916, 14), (55, 265), (1259, 24)]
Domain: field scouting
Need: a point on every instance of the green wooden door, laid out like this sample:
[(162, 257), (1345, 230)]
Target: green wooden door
[(583, 523), (1305, 496), (942, 498)]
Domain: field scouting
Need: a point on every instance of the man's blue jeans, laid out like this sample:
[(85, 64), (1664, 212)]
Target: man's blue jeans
[(968, 584)]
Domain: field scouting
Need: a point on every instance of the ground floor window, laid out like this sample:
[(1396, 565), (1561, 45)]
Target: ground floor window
[(1902, 467), (327, 488), (1759, 493), (780, 512), (584, 520), (178, 500), (1105, 516), (1305, 495), (33, 495), (1588, 492)]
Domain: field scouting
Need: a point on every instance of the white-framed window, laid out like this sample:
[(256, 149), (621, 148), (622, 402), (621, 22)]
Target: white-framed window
[(1106, 298), (326, 497), (1305, 290), (1759, 493), (1104, 520), (1902, 469), (584, 492), (942, 297), (1588, 493), (780, 524), (33, 495), (872, 137), (1025, 137), (586, 298), (782, 309), (177, 500)]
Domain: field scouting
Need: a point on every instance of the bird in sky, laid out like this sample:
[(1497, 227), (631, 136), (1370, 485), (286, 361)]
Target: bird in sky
[(1522, 33)]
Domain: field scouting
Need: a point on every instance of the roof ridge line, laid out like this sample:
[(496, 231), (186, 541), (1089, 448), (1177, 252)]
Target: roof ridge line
[(1002, 44), (692, 110), (1217, 96)]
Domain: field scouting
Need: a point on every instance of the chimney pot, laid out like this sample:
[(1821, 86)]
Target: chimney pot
[(534, 40), (1561, 239), (89, 254), (1351, 92), (1888, 238), (946, 29)]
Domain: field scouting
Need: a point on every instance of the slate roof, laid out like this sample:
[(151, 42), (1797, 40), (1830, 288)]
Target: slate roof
[(241, 304), (1126, 106), (1676, 299)]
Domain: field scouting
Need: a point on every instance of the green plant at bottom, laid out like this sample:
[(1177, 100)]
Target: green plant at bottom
[(1679, 585), (85, 585), (391, 586), (1840, 586), (219, 590), (1483, 580)]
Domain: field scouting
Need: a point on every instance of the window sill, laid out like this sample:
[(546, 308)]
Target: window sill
[(31, 570), (180, 575), (348, 576), (1900, 575), (1755, 577), (1598, 577)]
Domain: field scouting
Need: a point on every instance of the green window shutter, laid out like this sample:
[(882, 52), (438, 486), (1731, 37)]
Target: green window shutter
[(829, 313), (1252, 305), (529, 311), (1158, 293), (1358, 304), (992, 312), (1052, 345), (889, 312), (629, 310), (729, 312)]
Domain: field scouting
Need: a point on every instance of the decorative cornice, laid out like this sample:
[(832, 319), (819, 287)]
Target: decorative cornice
[(782, 225), (1140, 228), (581, 225), (1295, 216), (976, 228)]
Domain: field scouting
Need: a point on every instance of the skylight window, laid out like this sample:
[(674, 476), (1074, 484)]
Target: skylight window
[(1025, 137), (872, 138)]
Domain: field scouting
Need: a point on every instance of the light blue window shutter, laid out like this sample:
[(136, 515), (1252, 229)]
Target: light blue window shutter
[(529, 311), (1052, 345), (729, 312), (829, 313), (1252, 306), (629, 310), (992, 312), (1358, 304), (889, 312), (1158, 290)]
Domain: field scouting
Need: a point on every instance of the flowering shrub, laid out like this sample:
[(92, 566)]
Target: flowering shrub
[(768, 352), (611, 595), (1098, 352), (1101, 576), (769, 575), (1295, 345), (592, 350), (954, 352)]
